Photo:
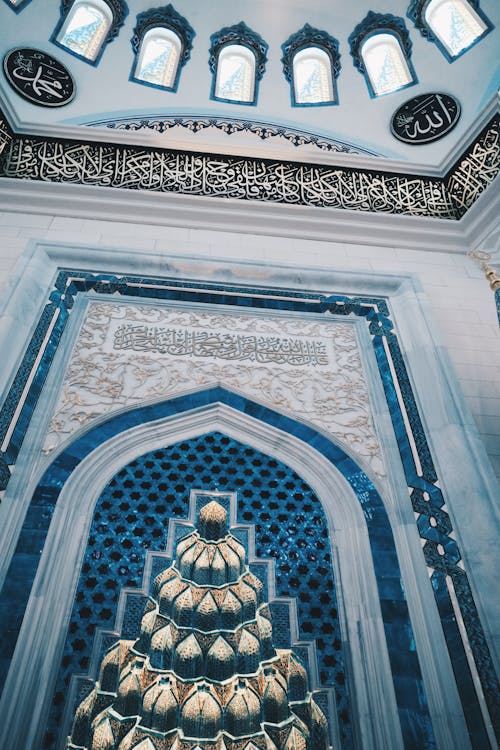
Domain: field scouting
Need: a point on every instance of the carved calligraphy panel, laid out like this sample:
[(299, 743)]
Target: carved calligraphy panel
[(39, 78), (135, 168), (425, 118), (126, 354)]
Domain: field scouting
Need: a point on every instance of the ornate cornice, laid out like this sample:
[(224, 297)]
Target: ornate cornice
[(239, 34), (168, 18), (230, 126), (377, 22), (253, 179), (308, 36)]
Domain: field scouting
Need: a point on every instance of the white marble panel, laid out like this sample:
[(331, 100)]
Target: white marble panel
[(127, 353)]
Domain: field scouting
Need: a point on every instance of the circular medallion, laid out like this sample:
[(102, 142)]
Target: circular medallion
[(425, 118), (38, 77)]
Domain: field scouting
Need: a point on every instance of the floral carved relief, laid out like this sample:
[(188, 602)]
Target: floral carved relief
[(127, 354)]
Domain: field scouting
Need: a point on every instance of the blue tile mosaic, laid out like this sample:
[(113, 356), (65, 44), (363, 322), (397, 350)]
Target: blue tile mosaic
[(426, 496)]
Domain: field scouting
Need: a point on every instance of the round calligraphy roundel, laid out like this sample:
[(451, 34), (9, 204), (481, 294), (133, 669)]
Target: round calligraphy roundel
[(425, 118), (38, 77)]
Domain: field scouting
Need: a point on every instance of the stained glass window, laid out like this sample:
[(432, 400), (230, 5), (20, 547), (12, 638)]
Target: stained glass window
[(85, 28), (158, 58), (385, 63), (312, 76), (455, 23), (235, 74)]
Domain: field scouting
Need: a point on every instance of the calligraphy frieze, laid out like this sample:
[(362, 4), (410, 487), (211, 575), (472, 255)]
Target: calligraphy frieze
[(245, 178), (477, 168), (38, 77), (128, 354), (182, 342), (425, 118), (225, 177), (5, 135)]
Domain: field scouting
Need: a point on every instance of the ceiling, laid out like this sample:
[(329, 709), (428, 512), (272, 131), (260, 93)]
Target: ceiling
[(106, 95)]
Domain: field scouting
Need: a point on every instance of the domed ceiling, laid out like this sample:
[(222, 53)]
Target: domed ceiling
[(356, 127)]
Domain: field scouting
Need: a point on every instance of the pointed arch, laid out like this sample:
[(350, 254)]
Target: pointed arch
[(350, 498)]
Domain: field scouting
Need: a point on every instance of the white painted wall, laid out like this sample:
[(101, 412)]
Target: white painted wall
[(460, 301)]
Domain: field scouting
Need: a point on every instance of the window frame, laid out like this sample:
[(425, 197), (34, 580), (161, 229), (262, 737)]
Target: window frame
[(250, 55), (17, 8), (243, 36), (416, 13), (370, 26), (309, 37), (170, 20), (368, 78), (116, 10)]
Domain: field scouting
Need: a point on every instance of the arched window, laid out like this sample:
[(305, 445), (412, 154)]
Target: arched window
[(312, 77), (385, 64), (455, 24), (381, 47), (158, 58), (311, 63), (235, 79), (162, 43), (86, 27), (237, 60)]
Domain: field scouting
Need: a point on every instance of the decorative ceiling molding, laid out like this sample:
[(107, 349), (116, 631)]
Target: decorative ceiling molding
[(249, 179), (230, 126)]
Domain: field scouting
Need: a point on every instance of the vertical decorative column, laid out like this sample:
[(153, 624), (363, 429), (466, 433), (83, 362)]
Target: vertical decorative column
[(484, 259)]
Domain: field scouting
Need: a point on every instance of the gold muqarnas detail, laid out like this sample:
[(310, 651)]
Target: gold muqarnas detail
[(204, 673)]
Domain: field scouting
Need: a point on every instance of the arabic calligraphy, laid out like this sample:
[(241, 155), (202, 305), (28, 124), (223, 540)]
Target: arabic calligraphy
[(242, 178), (246, 178), (38, 77), (182, 342), (5, 135), (425, 118), (477, 168)]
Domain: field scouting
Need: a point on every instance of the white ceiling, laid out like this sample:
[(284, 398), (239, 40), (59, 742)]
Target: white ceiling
[(105, 92)]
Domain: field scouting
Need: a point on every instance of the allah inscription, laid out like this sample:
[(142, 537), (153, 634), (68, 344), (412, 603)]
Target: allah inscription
[(182, 342), (425, 118)]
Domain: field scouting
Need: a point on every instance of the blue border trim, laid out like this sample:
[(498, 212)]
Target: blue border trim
[(440, 550), (18, 8)]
